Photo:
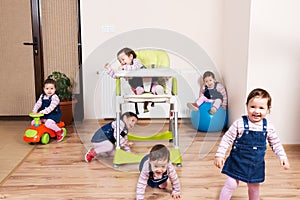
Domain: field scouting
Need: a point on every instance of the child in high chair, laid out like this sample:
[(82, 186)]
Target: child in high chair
[(156, 169), (248, 136), (105, 137), (129, 62), (212, 91), (48, 104)]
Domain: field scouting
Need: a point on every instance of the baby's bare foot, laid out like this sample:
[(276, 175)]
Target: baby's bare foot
[(107, 66)]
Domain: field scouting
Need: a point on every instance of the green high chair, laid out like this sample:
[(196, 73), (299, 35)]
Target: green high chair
[(158, 65), (152, 59)]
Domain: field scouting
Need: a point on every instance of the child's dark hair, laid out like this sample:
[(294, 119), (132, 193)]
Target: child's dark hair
[(207, 74), (159, 152), (49, 81), (127, 52), (258, 92), (129, 114)]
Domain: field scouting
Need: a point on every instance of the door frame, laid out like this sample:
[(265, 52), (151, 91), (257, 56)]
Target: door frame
[(79, 109), (37, 43)]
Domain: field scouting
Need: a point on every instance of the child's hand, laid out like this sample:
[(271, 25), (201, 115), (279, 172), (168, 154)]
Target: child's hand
[(130, 144), (107, 66), (135, 152), (219, 162), (285, 164), (213, 110), (176, 196), (126, 148)]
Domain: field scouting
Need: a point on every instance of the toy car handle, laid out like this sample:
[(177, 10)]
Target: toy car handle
[(36, 118)]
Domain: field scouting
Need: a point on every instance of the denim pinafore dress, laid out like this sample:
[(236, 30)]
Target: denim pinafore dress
[(55, 114), (106, 132), (154, 183), (246, 160), (213, 93)]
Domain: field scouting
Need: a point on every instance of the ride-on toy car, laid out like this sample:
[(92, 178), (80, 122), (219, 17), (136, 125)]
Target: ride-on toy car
[(38, 132)]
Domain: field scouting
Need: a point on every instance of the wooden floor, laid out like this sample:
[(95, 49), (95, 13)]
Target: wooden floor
[(58, 171)]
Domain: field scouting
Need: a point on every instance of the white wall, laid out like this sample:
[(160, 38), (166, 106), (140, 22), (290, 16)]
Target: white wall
[(253, 43), (198, 20), (274, 61), (262, 49), (235, 59)]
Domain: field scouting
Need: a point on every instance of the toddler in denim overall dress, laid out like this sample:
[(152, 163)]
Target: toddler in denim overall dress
[(248, 138), (246, 159)]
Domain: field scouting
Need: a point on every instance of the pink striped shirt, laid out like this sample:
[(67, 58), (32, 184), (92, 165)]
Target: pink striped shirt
[(144, 176), (136, 65), (54, 102), (237, 129), (123, 140)]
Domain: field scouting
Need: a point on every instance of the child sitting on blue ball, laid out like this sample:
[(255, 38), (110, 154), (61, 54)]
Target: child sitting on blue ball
[(213, 92)]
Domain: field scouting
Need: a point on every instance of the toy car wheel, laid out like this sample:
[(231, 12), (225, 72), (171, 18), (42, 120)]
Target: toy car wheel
[(45, 138), (65, 132)]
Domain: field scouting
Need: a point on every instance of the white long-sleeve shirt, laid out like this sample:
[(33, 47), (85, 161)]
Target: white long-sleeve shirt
[(54, 102)]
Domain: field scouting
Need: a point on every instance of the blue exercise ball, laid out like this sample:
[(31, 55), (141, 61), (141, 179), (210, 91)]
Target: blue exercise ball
[(205, 122)]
